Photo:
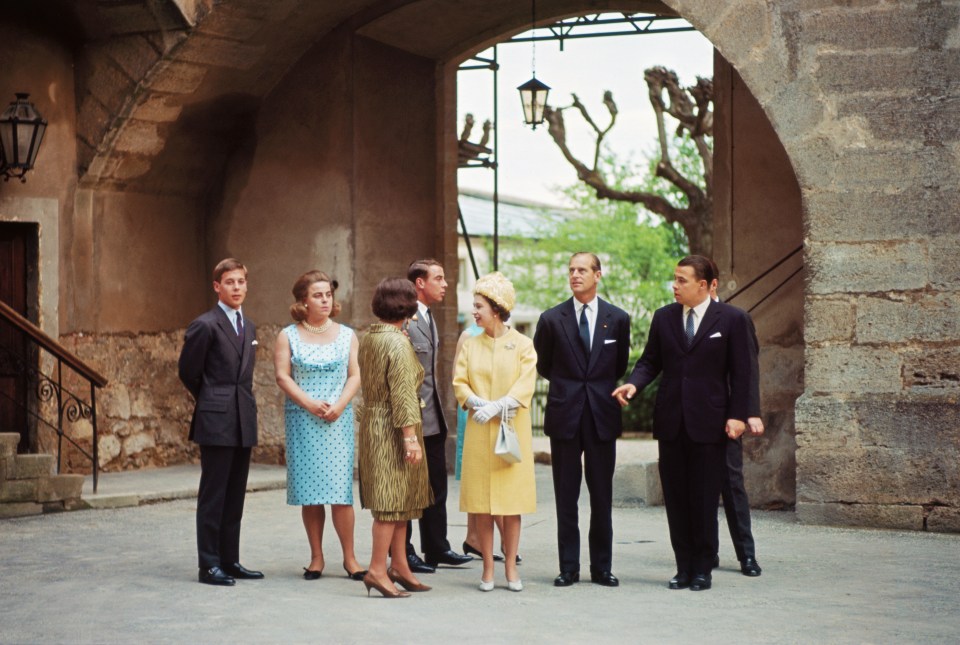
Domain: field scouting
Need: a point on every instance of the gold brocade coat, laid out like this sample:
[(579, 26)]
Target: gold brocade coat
[(390, 377), (491, 368)]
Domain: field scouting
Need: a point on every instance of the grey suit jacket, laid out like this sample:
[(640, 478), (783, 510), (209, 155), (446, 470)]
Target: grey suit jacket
[(427, 347), (217, 367)]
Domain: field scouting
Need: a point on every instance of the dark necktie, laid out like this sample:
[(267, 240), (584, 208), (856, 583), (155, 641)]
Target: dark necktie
[(584, 329), (433, 344), (690, 330), (239, 325)]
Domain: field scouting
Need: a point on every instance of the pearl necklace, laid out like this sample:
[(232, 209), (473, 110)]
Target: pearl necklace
[(316, 330)]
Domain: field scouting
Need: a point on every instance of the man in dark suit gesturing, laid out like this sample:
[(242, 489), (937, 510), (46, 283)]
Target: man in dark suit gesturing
[(704, 350), (583, 345), (216, 365)]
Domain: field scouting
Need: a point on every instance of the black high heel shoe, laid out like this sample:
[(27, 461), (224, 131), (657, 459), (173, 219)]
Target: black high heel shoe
[(311, 575), (356, 575), (468, 548)]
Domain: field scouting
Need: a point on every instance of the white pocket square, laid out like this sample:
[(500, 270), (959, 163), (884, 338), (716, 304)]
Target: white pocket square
[(254, 343), (716, 335), (607, 341)]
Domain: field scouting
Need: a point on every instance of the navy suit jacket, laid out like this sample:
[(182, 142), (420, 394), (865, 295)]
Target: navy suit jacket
[(216, 366), (705, 384), (576, 380)]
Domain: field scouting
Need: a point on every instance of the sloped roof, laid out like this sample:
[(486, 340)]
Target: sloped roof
[(517, 217)]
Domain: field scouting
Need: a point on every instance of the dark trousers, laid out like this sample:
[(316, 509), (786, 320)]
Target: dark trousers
[(223, 487), (599, 461), (433, 524), (691, 475), (736, 506)]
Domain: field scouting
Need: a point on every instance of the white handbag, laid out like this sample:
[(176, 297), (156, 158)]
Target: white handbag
[(508, 445)]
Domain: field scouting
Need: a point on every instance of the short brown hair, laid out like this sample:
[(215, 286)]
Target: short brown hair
[(502, 313), (230, 264), (394, 299), (595, 261), (301, 288), (702, 267), (421, 268)]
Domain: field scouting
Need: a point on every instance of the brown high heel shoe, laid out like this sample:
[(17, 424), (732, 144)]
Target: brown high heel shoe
[(369, 581), (409, 585)]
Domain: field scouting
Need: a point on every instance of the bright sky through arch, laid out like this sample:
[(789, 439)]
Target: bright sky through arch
[(531, 165)]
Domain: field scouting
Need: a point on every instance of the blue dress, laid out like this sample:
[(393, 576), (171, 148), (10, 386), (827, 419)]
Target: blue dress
[(319, 453)]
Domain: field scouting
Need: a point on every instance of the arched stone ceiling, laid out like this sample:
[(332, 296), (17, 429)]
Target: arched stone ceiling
[(167, 88)]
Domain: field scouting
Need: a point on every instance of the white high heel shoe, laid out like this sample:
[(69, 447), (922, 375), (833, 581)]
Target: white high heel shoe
[(486, 585), (515, 585)]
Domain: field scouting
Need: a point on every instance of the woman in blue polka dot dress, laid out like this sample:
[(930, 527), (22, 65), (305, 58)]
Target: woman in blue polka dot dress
[(316, 366)]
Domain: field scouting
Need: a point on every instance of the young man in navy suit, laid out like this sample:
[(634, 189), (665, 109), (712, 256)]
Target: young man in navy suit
[(583, 346), (216, 365), (705, 351)]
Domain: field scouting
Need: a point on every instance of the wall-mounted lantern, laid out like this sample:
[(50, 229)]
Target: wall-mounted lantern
[(21, 131)]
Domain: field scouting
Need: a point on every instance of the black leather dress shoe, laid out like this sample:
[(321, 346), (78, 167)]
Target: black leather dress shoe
[(679, 581), (701, 582), (417, 565), (240, 572), (716, 562), (566, 578), (216, 576), (750, 567), (604, 578), (448, 557)]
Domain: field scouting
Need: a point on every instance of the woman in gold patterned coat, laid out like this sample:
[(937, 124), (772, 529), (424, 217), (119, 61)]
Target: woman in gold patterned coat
[(494, 378), (393, 474)]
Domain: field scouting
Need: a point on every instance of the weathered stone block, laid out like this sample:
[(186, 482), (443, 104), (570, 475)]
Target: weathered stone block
[(8, 444), (139, 137), (107, 83), (937, 369), (944, 519), (876, 71), (32, 466), (825, 422), (155, 108), (911, 213), (109, 449), (19, 490), (888, 26), (930, 116), (908, 518), (138, 443), (22, 509), (637, 484), (867, 267), (230, 25), (135, 55), (852, 369), (60, 487), (178, 78), (791, 110), (945, 256), (828, 320), (220, 52), (114, 401), (903, 319)]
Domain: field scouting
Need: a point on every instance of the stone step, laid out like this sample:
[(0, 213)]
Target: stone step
[(637, 484), (59, 488), (8, 444), (32, 466)]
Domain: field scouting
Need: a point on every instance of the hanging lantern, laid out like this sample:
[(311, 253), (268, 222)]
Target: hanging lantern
[(21, 131)]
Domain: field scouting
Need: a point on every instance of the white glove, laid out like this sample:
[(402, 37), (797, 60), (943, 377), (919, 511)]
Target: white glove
[(486, 412), (509, 405), (474, 402)]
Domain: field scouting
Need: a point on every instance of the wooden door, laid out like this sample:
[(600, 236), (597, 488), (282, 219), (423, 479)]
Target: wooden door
[(18, 267)]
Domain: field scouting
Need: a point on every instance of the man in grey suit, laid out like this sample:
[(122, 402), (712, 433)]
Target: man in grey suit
[(216, 365), (431, 285)]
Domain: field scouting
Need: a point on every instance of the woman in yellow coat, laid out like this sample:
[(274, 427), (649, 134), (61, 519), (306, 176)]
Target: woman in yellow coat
[(494, 377)]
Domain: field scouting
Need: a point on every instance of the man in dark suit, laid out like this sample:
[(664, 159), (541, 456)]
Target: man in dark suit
[(583, 345), (216, 365), (736, 504), (705, 352), (431, 285)]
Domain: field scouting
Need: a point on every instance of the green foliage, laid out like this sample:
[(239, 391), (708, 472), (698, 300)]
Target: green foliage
[(638, 251)]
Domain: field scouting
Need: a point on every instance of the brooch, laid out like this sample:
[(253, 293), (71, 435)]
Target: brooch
[(510, 346)]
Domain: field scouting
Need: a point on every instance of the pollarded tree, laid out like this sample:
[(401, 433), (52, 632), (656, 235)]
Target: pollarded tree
[(691, 108)]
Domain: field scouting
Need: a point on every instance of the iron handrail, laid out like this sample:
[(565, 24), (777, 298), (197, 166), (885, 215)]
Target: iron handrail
[(69, 406), (764, 274), (40, 337)]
